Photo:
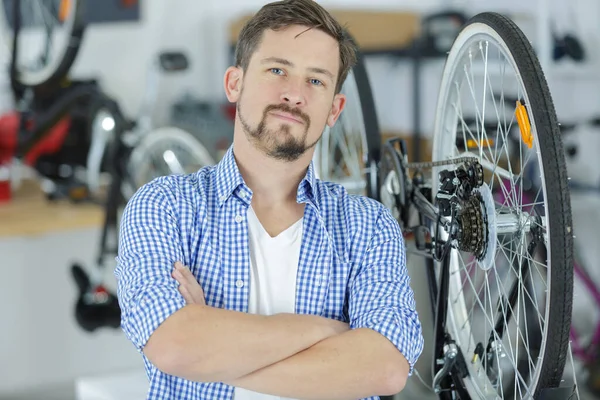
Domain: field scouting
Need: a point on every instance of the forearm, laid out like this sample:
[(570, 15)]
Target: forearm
[(209, 344), (356, 364)]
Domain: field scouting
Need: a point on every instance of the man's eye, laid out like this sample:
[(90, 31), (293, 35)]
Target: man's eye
[(316, 82), (277, 71)]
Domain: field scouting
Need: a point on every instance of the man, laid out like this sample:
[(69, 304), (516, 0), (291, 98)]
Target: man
[(251, 279)]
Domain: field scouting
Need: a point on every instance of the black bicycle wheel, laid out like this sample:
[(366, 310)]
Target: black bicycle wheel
[(509, 303), (45, 41)]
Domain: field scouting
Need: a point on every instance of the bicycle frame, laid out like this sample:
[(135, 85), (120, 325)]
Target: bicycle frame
[(449, 372)]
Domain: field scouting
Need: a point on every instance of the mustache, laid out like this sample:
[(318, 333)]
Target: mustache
[(287, 109)]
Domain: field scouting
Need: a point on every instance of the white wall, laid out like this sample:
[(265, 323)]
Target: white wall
[(119, 54), (40, 342)]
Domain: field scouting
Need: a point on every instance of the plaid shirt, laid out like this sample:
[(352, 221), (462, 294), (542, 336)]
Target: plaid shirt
[(352, 263)]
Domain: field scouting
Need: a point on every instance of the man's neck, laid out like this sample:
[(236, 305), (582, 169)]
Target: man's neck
[(273, 182)]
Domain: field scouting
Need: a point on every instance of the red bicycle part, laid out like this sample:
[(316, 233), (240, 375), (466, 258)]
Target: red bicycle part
[(49, 144)]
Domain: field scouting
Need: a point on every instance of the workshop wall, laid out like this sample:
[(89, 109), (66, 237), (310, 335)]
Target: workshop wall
[(118, 54)]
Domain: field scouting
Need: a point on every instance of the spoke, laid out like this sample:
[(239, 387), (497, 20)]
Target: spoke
[(512, 266), (528, 346), (487, 319), (477, 112), (499, 130), (500, 371), (484, 136), (489, 295), (341, 139), (540, 318), (531, 261)]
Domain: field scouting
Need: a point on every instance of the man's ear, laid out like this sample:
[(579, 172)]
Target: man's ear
[(339, 102), (233, 83)]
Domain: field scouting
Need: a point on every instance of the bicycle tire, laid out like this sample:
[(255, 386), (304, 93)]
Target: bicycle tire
[(364, 116), (155, 139), (541, 112), (373, 134), (65, 58)]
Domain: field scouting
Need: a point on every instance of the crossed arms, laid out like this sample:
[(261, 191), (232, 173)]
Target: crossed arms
[(289, 355)]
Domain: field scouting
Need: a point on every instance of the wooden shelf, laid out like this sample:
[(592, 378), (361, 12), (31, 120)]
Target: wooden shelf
[(29, 213), (383, 30)]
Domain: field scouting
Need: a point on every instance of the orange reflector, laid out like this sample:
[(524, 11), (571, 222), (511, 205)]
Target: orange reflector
[(524, 125), (475, 144), (63, 10)]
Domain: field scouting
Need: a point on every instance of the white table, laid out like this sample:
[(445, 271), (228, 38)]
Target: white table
[(125, 385)]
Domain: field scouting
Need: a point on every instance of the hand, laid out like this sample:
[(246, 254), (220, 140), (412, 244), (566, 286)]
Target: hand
[(189, 287)]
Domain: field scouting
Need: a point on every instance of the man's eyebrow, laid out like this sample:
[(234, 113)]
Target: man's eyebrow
[(322, 71), (277, 60), (283, 61)]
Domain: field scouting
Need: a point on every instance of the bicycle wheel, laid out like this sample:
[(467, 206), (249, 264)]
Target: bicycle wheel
[(164, 151), (48, 39), (509, 307), (348, 153)]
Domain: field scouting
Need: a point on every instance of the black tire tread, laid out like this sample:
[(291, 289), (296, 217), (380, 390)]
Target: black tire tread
[(74, 43)]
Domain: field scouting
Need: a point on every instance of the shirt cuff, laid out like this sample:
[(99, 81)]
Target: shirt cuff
[(403, 330), (147, 311)]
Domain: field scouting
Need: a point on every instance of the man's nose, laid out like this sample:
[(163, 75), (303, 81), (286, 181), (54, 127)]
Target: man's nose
[(293, 95)]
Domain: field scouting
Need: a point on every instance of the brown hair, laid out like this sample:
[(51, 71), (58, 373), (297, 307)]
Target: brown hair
[(280, 14)]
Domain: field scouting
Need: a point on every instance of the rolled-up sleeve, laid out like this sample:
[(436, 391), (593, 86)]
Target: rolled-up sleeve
[(380, 294), (149, 246)]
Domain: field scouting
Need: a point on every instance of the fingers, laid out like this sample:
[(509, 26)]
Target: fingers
[(183, 274), (186, 295), (183, 281), (189, 287)]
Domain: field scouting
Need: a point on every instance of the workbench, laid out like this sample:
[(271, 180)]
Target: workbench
[(29, 212)]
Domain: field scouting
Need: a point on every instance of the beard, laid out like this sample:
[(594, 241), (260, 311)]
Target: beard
[(279, 144)]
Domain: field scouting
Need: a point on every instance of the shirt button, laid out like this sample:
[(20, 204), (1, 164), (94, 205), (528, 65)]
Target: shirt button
[(238, 218), (223, 198), (239, 283)]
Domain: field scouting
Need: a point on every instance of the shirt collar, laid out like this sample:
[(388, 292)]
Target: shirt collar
[(229, 180)]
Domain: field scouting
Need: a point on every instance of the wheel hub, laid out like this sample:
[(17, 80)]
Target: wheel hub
[(478, 226)]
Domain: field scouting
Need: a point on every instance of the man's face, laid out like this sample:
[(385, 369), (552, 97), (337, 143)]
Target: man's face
[(287, 93)]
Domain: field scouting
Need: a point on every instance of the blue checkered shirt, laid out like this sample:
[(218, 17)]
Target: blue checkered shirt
[(352, 263)]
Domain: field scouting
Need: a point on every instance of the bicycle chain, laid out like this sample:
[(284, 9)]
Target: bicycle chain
[(472, 226), (430, 164)]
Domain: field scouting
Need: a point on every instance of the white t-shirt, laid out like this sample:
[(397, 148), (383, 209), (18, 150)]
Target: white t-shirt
[(273, 271)]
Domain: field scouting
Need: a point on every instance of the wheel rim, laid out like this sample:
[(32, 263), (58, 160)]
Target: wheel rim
[(49, 35), (342, 153), (166, 151), (473, 291)]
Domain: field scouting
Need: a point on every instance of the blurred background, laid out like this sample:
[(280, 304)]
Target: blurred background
[(98, 90)]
